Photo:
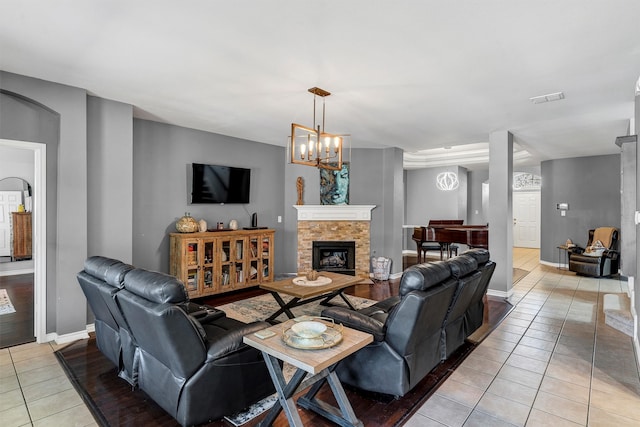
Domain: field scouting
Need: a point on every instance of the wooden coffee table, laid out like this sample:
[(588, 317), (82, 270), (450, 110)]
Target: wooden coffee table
[(320, 363), (305, 294)]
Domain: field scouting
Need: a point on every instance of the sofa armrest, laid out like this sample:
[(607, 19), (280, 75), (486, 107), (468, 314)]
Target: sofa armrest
[(575, 250), (355, 320), (207, 315), (611, 254), (232, 340)]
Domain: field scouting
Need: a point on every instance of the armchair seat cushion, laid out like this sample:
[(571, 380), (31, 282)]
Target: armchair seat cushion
[(589, 259)]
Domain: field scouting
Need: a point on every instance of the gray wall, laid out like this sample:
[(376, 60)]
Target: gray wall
[(375, 177), (110, 165), (29, 111), (422, 195), (16, 162), (475, 180), (162, 158), (591, 186)]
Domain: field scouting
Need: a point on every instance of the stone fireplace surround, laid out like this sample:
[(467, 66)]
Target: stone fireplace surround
[(334, 223)]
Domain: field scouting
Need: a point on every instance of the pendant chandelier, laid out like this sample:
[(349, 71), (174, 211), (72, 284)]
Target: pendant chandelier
[(312, 146), (447, 181)]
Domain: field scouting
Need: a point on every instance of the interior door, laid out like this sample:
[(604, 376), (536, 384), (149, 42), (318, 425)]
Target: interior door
[(526, 219), (9, 201)]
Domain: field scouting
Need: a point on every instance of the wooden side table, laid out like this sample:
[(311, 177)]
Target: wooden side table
[(320, 363)]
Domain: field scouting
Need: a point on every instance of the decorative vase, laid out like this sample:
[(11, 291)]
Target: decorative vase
[(233, 224), (202, 225), (312, 275), (187, 224)]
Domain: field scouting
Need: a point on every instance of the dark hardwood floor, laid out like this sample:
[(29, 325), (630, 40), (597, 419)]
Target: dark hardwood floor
[(115, 404), (17, 328)]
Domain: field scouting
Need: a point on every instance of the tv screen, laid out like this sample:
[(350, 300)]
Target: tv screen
[(220, 184)]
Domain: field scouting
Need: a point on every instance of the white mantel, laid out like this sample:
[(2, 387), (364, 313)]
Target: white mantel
[(334, 212)]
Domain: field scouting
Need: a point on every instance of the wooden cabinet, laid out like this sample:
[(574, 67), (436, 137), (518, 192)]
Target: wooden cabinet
[(21, 235), (221, 261)]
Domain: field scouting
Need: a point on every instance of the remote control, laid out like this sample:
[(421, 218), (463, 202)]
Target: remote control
[(265, 333)]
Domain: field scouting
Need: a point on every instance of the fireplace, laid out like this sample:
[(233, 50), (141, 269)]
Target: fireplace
[(333, 223), (335, 256)]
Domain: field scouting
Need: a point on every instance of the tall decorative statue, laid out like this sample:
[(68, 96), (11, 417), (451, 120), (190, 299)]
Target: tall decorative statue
[(300, 188)]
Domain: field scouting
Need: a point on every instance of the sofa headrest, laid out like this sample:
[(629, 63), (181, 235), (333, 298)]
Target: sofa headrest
[(108, 270), (462, 265), (480, 254), (421, 277), (155, 286)]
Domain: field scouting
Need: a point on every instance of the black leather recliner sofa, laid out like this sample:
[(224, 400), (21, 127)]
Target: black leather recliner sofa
[(195, 371), (100, 280), (195, 366), (474, 315), (436, 310)]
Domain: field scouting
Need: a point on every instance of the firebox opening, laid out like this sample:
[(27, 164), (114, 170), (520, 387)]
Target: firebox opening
[(338, 257)]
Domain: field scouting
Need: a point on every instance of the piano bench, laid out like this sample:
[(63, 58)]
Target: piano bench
[(453, 250)]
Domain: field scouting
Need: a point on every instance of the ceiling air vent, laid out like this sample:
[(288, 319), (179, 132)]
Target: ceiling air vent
[(547, 98)]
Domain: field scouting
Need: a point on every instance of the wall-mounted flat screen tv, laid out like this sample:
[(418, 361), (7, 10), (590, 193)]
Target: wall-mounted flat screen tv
[(220, 184)]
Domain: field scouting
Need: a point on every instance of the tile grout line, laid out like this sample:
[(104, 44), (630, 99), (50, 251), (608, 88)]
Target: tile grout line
[(24, 400)]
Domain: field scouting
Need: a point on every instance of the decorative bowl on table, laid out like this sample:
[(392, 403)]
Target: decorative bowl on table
[(332, 335), (309, 329)]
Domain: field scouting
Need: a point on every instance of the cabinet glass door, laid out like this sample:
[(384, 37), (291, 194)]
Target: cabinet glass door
[(191, 283), (238, 261), (227, 271), (208, 266)]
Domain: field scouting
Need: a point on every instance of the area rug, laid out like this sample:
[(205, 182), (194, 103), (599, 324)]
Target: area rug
[(263, 306), (5, 303)]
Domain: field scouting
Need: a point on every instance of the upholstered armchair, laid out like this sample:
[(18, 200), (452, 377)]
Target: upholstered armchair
[(600, 257)]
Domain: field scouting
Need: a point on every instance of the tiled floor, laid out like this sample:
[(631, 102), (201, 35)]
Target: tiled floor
[(552, 362), (34, 390)]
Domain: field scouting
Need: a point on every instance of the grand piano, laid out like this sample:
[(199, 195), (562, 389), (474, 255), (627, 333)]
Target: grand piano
[(445, 232)]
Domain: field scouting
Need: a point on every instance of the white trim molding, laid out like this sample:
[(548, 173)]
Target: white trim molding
[(334, 212), (500, 294), (73, 336)]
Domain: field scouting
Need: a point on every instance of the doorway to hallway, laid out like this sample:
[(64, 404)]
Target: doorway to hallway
[(526, 219)]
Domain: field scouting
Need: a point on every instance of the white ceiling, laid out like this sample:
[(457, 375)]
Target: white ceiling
[(414, 74)]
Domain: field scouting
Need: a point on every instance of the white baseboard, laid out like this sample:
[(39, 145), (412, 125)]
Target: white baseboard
[(553, 264), (66, 338), (73, 336), (500, 294)]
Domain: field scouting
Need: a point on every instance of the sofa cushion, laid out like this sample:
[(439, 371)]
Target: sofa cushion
[(481, 255), (462, 265), (155, 286), (421, 277), (108, 270)]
